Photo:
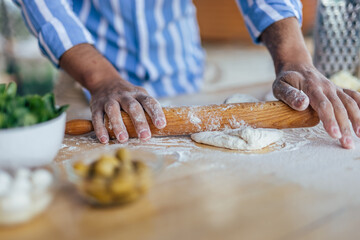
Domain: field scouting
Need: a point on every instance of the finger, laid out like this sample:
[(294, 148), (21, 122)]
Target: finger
[(112, 109), (343, 121), (293, 97), (354, 95), (321, 104), (99, 126), (352, 109), (137, 115), (153, 108)]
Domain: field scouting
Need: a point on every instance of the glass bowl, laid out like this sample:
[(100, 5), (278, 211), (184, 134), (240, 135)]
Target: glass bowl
[(154, 162)]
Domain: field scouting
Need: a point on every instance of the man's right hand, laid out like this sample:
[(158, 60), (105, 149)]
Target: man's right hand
[(110, 94), (114, 95)]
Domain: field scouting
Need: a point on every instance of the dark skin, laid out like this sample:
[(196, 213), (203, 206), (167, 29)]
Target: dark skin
[(110, 93), (295, 71), (297, 83)]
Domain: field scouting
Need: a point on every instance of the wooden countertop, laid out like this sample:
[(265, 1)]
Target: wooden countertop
[(207, 193)]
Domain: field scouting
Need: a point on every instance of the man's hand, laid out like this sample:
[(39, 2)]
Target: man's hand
[(298, 83), (302, 85), (114, 95), (110, 94)]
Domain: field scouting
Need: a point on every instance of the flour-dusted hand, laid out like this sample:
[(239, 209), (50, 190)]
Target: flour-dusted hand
[(300, 84), (304, 85), (114, 95), (110, 94)]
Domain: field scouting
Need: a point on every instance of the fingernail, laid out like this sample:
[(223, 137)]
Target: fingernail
[(123, 137), (358, 131), (349, 142), (302, 102), (299, 102), (144, 134), (160, 122), (104, 139), (336, 132)]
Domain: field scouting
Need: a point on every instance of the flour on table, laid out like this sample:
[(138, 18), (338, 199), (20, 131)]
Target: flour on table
[(242, 138)]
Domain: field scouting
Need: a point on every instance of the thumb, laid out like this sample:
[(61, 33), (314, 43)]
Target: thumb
[(293, 97)]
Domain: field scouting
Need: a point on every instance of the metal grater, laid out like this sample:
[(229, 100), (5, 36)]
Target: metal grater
[(337, 37)]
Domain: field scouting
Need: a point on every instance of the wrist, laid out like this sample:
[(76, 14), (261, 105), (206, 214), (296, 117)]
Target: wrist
[(299, 61), (98, 77), (286, 44), (292, 59)]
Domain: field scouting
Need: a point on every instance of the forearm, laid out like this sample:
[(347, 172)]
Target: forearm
[(110, 94), (87, 66), (286, 44)]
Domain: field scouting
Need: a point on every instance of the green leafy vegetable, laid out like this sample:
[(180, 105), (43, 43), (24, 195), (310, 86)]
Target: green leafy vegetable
[(19, 111), (2, 88)]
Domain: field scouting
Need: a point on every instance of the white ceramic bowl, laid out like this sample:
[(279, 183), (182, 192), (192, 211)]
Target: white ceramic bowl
[(31, 146)]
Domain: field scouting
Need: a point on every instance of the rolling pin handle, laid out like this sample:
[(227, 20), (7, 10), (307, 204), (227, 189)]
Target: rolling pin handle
[(78, 127)]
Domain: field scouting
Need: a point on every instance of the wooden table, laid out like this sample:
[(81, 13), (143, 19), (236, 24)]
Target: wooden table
[(207, 193)]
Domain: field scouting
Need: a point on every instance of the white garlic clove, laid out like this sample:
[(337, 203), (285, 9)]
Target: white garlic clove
[(41, 179), (21, 185), (23, 173), (16, 201), (5, 183)]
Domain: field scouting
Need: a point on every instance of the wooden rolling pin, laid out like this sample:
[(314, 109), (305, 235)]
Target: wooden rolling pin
[(188, 120)]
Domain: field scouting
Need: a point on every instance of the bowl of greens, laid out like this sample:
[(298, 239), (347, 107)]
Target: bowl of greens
[(31, 128)]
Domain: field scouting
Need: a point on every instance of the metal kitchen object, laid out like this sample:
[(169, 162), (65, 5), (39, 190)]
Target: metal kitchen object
[(337, 37)]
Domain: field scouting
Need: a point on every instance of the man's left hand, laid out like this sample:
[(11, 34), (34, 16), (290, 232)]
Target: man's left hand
[(300, 86)]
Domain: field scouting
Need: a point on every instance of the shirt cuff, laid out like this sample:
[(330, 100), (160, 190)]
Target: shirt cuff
[(260, 16)]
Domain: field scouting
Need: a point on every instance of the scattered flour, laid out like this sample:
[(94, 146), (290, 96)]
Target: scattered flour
[(193, 118), (306, 156), (309, 158)]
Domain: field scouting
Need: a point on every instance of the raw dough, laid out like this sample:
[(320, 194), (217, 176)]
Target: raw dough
[(344, 79), (241, 98), (244, 138)]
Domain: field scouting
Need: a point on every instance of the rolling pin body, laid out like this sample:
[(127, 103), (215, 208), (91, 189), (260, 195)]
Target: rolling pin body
[(189, 120)]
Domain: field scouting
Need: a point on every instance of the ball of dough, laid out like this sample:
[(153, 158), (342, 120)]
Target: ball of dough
[(344, 79), (241, 98)]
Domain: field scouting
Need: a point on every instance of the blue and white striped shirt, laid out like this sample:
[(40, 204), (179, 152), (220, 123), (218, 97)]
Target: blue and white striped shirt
[(152, 43)]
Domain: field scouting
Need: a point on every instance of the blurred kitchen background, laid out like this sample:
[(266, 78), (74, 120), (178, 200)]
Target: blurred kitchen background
[(233, 60)]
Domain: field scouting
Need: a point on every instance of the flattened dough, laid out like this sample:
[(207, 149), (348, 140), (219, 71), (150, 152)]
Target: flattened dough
[(241, 98), (344, 79), (245, 138)]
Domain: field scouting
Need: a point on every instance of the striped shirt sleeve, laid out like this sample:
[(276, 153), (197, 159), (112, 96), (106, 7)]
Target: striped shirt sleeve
[(55, 25), (260, 14)]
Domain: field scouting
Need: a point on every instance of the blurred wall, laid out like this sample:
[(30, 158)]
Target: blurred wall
[(222, 20)]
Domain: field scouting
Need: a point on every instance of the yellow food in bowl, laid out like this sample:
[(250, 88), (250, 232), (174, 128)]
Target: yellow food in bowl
[(113, 179)]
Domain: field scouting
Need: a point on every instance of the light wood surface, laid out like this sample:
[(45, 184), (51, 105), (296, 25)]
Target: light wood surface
[(207, 193), (196, 201), (189, 120)]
